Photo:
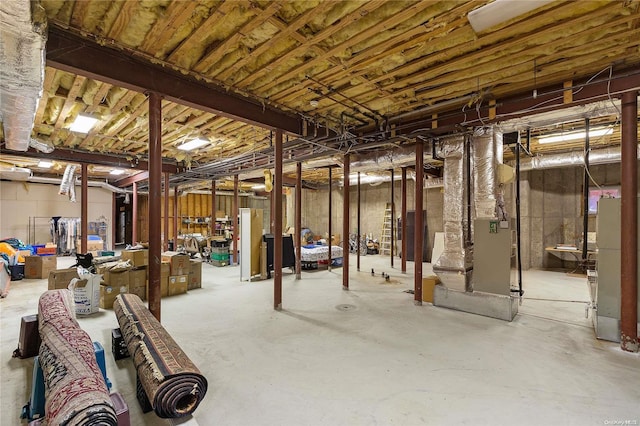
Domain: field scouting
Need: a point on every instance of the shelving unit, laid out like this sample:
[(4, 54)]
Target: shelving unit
[(223, 227), (196, 224)]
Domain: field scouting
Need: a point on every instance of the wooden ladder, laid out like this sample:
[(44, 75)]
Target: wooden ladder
[(386, 239)]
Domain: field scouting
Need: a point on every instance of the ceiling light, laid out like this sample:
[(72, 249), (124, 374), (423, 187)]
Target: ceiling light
[(500, 11), (45, 164), (314, 103), (575, 136), (193, 144), (116, 172), (83, 123)]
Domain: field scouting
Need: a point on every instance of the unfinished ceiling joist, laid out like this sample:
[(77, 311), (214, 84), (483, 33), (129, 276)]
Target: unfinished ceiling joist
[(73, 53)]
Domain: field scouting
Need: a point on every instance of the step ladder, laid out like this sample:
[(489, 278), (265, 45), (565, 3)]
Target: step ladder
[(386, 238)]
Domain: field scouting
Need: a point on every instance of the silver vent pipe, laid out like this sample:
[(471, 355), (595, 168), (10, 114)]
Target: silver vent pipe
[(574, 158), (23, 29)]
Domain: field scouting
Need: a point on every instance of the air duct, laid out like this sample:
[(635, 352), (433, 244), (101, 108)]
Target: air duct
[(14, 173), (381, 160), (487, 154), (22, 40), (454, 266), (574, 158)]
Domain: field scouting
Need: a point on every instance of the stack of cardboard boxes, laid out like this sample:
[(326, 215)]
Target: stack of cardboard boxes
[(115, 280), (138, 275), (179, 268), (38, 267)]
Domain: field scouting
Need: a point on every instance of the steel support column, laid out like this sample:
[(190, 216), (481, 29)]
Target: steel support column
[(330, 222), (358, 226), (298, 228), (176, 192), (134, 214), (165, 233), (213, 207), (419, 226), (393, 215), (345, 224), (629, 225), (403, 223), (234, 218), (585, 191), (84, 208), (277, 228), (155, 194)]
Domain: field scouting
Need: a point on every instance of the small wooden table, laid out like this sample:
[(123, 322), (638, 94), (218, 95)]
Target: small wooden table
[(576, 254)]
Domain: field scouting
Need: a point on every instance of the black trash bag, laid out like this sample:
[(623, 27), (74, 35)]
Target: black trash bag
[(85, 261)]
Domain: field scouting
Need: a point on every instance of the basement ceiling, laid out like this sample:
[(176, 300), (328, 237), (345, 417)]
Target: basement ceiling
[(351, 67)]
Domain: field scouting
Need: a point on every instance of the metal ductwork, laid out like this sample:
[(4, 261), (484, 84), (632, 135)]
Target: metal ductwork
[(574, 158), (93, 183), (487, 154), (14, 173), (23, 32), (381, 160), (454, 266)]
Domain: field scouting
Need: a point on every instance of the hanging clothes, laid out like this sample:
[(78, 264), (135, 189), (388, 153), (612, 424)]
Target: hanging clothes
[(65, 232)]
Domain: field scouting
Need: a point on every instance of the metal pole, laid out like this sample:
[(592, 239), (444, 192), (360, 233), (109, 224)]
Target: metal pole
[(358, 230), (585, 192), (298, 234), (234, 218), (84, 208), (330, 206), (629, 225), (345, 224), (403, 224), (176, 192), (518, 219), (393, 214), (213, 207), (418, 236), (155, 193), (134, 213), (165, 234), (277, 229)]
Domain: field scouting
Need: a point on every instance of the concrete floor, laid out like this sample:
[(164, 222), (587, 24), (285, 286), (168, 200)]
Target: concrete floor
[(381, 360)]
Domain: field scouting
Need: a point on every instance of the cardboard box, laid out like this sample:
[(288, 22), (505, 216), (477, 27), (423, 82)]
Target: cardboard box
[(178, 284), (61, 278), (195, 275), (86, 293), (92, 245), (39, 266), (46, 250), (138, 277), (117, 279), (138, 258), (108, 295), (179, 262), (428, 283), (141, 292)]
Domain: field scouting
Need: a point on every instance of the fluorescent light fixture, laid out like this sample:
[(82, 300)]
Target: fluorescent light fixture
[(116, 172), (83, 123), (258, 187), (45, 164), (499, 11), (575, 136), (193, 144)]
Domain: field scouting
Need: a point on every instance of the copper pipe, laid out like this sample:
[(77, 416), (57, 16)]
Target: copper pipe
[(155, 194), (345, 224), (418, 235), (236, 228), (403, 223), (165, 233), (277, 228), (298, 234), (134, 214), (84, 208), (629, 225)]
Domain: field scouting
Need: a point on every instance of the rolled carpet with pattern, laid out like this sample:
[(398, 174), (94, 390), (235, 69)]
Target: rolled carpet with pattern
[(75, 391), (173, 384)]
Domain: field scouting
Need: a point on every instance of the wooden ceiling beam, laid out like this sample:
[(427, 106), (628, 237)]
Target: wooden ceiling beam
[(70, 101), (99, 97), (49, 75), (178, 12), (72, 53), (122, 19)]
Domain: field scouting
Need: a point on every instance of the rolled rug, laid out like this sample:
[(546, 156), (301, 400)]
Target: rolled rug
[(173, 384), (75, 391)]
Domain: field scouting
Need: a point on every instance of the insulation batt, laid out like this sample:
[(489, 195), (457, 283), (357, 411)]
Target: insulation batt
[(22, 42)]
